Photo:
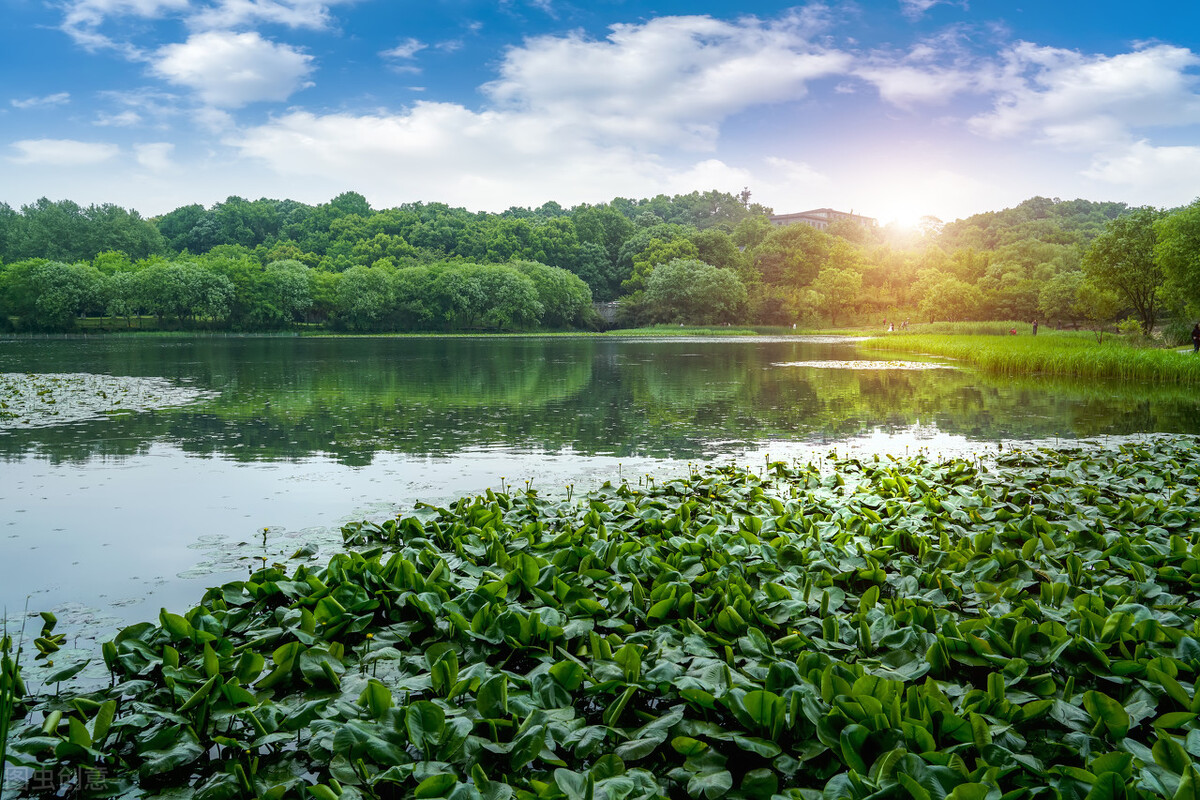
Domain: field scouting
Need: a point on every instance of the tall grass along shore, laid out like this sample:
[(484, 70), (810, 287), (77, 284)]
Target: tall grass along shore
[(1061, 355)]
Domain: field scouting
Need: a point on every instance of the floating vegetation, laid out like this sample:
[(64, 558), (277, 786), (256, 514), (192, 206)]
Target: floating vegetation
[(875, 365), (848, 629), (36, 400)]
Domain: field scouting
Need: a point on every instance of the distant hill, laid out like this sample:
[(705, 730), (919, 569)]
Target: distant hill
[(1043, 219)]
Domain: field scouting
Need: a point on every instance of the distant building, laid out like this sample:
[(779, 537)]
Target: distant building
[(820, 218)]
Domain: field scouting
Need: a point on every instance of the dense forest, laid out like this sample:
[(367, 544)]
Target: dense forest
[(701, 258)]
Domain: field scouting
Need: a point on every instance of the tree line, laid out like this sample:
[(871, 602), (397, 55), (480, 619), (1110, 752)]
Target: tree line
[(700, 258)]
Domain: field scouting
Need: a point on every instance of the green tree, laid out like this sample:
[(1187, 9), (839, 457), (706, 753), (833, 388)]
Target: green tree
[(656, 252), (1098, 305), (839, 289), (792, 255), (1059, 298), (1122, 258), (1177, 252), (688, 290), (364, 297), (50, 295), (511, 298), (752, 231), (122, 298), (284, 294), (566, 300), (948, 298)]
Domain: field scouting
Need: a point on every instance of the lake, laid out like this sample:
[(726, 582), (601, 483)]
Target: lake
[(135, 472)]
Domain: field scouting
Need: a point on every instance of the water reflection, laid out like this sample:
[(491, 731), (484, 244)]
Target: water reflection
[(353, 399)]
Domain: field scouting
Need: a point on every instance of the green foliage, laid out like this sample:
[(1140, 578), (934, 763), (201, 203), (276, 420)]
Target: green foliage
[(691, 291), (1177, 251), (1069, 222), (65, 231), (792, 255), (1122, 259), (839, 285), (944, 297), (1019, 263), (850, 629), (49, 295)]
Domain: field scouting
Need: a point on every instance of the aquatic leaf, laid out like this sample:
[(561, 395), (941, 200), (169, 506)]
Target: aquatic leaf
[(574, 785), (377, 698), (492, 698), (710, 785), (1108, 712), (425, 723), (568, 674), (435, 786)]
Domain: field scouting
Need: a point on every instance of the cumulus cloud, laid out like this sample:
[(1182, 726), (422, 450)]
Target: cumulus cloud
[(907, 85), (672, 79), (479, 159), (62, 152), (313, 14), (56, 99), (230, 70), (154, 156), (1070, 99), (1172, 172), (933, 71), (565, 111)]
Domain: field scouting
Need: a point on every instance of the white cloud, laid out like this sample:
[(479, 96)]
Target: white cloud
[(915, 9), (154, 156), (406, 49), (568, 114), (83, 19), (1071, 99), (213, 120), (1151, 172), (229, 70), (796, 174), (313, 14), (905, 85), (123, 119), (62, 152), (669, 80), (932, 72), (441, 150), (56, 99)]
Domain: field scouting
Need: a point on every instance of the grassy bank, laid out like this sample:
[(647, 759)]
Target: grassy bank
[(849, 629), (1061, 354)]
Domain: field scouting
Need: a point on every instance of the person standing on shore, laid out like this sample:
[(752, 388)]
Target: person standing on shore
[(1196, 339), (1035, 327)]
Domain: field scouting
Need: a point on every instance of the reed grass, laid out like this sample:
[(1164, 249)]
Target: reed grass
[(1060, 354), (12, 690)]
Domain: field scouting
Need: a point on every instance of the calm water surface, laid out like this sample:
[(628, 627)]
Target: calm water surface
[(112, 506)]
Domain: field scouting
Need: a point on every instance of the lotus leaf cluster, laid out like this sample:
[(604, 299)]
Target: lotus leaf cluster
[(977, 629)]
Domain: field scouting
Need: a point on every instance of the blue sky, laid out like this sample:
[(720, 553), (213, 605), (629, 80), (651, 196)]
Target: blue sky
[(894, 109)]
